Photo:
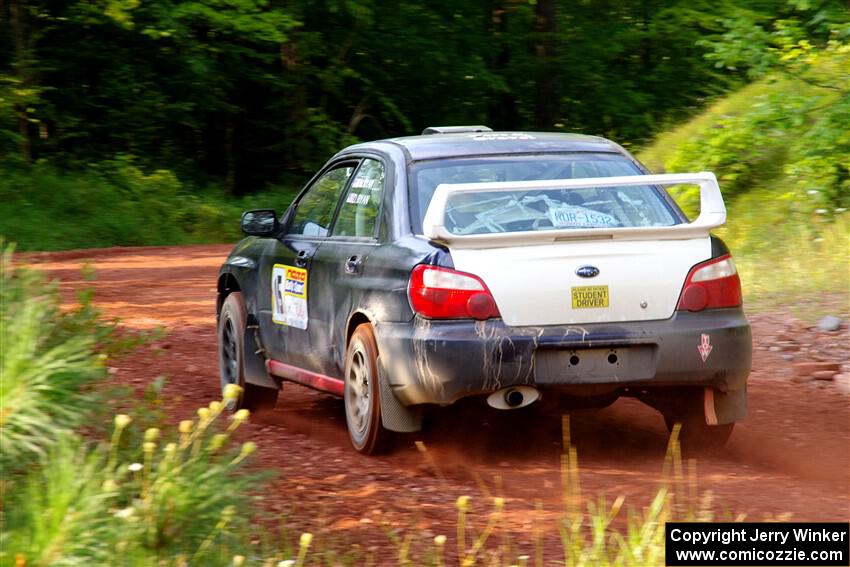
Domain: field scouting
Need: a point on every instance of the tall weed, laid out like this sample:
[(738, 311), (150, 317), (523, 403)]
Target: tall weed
[(175, 497), (47, 371)]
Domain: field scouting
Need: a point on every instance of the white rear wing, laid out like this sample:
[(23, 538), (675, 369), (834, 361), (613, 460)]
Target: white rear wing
[(712, 212)]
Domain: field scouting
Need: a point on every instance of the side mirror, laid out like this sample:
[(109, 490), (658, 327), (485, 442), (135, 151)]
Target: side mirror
[(261, 222)]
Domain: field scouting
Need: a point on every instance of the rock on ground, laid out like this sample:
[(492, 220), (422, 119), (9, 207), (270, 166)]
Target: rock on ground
[(829, 323)]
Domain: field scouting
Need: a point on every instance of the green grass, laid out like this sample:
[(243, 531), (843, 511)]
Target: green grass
[(115, 203), (662, 151), (48, 365), (132, 493), (69, 499), (781, 150)]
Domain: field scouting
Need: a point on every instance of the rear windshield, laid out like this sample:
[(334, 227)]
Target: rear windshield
[(548, 209)]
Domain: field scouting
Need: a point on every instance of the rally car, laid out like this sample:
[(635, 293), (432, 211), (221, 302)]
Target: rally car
[(413, 272)]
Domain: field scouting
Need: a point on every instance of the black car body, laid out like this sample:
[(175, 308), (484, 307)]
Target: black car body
[(341, 258)]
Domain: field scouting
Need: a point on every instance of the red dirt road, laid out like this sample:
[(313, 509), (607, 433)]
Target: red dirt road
[(789, 460)]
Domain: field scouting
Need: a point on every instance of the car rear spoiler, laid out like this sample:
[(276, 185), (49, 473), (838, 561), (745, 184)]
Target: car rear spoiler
[(712, 212)]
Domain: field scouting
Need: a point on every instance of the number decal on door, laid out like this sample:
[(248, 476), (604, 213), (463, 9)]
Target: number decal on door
[(289, 296)]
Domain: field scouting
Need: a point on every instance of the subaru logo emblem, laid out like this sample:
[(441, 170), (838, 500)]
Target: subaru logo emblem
[(587, 272)]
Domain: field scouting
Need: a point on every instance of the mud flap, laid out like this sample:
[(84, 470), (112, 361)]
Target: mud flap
[(724, 407), (394, 415), (255, 364)]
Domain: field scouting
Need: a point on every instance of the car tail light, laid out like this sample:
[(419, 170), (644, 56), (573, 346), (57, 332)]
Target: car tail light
[(441, 293), (711, 284)]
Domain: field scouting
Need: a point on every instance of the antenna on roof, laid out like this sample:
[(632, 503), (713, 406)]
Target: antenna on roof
[(454, 129)]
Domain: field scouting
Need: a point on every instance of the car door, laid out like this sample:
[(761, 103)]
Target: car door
[(341, 263), (288, 303)]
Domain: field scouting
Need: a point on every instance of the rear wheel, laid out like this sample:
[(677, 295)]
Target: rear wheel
[(696, 435), (232, 325), (362, 396)]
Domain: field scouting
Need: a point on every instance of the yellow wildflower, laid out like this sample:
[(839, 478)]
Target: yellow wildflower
[(249, 447), (217, 442), (305, 540), (231, 392)]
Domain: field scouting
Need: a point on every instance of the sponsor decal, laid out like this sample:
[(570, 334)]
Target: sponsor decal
[(366, 183), (590, 296), (501, 136), (289, 296), (571, 216), (704, 347), (357, 198)]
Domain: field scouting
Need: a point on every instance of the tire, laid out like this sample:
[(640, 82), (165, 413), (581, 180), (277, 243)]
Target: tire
[(362, 393), (232, 324)]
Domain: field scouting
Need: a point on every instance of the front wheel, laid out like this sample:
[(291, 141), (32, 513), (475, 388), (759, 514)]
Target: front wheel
[(362, 393), (232, 324)]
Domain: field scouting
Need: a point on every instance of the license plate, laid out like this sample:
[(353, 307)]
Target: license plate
[(590, 296)]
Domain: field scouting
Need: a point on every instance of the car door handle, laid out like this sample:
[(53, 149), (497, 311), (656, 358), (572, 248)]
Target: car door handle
[(352, 265), (301, 259)]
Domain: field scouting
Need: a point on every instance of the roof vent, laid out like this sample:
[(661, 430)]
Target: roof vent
[(454, 129)]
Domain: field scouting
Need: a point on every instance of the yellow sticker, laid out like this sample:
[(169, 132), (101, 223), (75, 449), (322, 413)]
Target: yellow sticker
[(590, 296), (289, 296)]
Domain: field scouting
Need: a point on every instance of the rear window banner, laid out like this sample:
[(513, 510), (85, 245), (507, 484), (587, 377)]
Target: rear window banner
[(573, 216), (289, 296)]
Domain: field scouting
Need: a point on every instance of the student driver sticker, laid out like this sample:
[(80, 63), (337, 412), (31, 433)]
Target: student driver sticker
[(590, 296), (289, 296)]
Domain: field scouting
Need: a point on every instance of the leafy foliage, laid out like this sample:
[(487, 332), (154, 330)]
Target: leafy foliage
[(134, 501), (176, 501), (780, 149), (47, 362), (788, 131), (114, 203), (51, 361), (243, 91)]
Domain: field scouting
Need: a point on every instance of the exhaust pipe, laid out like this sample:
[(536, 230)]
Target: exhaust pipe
[(513, 398)]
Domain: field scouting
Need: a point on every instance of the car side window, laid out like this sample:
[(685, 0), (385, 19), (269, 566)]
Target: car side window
[(316, 208), (358, 213)]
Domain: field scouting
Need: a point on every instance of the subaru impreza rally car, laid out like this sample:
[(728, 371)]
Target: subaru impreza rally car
[(413, 272)]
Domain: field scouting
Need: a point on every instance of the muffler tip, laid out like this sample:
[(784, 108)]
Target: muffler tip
[(513, 398)]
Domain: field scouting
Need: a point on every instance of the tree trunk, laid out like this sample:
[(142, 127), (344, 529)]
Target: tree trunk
[(547, 103), (502, 110), (17, 16), (230, 157)]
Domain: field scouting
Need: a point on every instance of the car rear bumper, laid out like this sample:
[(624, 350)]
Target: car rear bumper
[(439, 362)]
